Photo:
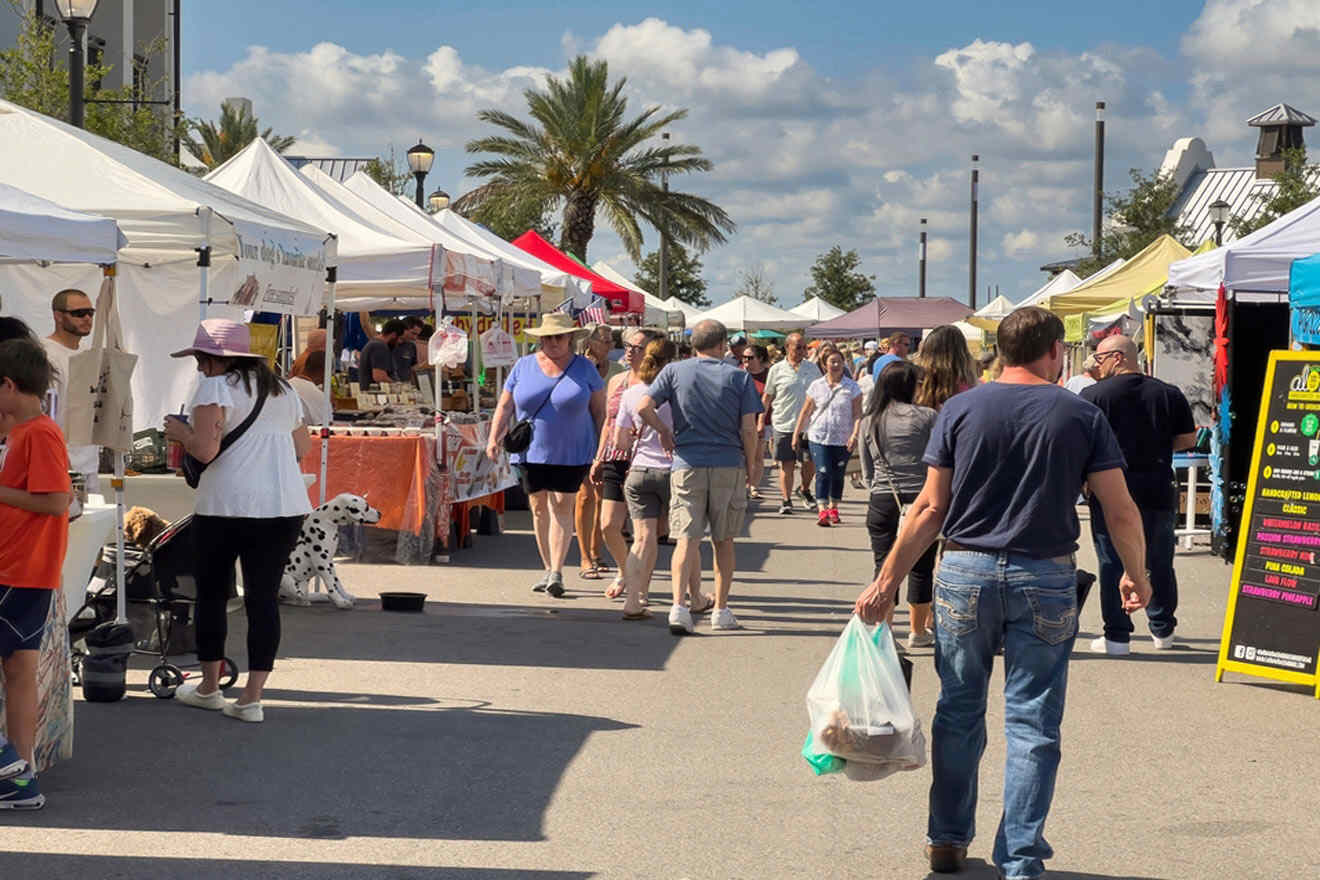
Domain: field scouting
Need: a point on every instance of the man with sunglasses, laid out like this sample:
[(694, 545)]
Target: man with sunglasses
[(73, 315)]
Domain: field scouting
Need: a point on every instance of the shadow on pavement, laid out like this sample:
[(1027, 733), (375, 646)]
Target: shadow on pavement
[(979, 869), (316, 772), (146, 868)]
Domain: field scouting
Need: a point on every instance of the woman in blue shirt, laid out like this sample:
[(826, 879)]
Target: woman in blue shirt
[(564, 396)]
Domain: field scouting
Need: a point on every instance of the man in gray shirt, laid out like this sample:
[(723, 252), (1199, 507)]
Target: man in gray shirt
[(785, 391)]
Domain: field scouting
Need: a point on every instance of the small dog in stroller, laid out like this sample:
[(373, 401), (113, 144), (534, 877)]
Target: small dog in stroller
[(160, 596)]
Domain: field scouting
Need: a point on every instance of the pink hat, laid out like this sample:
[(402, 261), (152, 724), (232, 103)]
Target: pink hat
[(220, 338)]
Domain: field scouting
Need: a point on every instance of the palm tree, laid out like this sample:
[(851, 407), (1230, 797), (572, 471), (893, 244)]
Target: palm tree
[(582, 153), (222, 140)]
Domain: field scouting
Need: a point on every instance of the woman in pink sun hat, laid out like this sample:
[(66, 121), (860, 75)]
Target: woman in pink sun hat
[(246, 428)]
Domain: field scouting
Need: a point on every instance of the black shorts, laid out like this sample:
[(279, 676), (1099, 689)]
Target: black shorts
[(613, 474), (565, 478), (23, 613), (783, 450)]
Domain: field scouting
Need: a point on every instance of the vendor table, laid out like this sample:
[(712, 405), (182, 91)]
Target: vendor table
[(1192, 464), (87, 534)]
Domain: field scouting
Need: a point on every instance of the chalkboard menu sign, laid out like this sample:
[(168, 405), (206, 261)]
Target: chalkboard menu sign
[(1272, 626)]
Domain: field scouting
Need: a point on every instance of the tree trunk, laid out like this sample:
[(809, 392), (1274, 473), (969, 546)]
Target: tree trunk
[(579, 224)]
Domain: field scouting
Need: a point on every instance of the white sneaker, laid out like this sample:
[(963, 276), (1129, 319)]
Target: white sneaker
[(920, 640), (722, 618), (680, 620), (1163, 643), (1102, 645), (250, 712), (186, 693)]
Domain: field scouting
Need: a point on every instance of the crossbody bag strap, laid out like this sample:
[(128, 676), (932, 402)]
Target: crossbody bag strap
[(828, 401), (233, 436), (889, 471), (551, 392)]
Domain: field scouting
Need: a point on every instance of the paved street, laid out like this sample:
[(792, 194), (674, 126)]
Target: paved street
[(507, 735)]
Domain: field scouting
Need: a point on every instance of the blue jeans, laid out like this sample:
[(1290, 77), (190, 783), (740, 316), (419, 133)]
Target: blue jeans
[(1160, 542), (831, 463), (1027, 607)]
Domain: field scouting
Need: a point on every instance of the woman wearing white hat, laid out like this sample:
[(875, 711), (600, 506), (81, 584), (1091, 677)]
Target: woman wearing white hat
[(246, 429), (561, 396)]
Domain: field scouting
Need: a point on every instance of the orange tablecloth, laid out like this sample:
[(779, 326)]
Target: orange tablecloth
[(391, 472)]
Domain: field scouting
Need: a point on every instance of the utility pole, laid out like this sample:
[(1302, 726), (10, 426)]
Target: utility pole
[(971, 279), (664, 238), (1098, 197), (921, 254)]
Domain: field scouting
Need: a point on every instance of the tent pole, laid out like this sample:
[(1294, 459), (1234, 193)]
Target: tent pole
[(204, 258), (117, 483), (331, 276), (476, 354)]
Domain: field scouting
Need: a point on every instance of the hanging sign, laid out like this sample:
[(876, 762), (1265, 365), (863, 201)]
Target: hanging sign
[(279, 270), (497, 348), (1272, 625), (513, 324)]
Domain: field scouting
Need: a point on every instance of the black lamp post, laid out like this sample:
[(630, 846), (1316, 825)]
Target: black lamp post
[(76, 14), (1219, 216), (420, 158), (438, 200)]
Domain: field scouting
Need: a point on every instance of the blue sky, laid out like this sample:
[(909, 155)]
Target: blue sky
[(838, 123)]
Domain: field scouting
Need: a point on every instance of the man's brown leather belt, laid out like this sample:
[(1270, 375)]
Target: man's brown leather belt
[(955, 547)]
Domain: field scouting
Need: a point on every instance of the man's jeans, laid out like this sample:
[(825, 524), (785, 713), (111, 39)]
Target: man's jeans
[(1027, 607), (1160, 541)]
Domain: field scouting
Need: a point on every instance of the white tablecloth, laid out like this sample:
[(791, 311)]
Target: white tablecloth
[(87, 534)]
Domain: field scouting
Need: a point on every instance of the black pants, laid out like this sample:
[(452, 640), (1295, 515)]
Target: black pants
[(262, 547), (882, 524)]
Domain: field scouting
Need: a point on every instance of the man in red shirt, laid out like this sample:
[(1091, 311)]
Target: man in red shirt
[(35, 492)]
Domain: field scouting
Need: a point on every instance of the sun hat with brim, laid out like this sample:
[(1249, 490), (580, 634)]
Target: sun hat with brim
[(555, 323), (219, 337)]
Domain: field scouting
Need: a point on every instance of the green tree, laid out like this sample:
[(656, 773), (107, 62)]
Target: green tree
[(1137, 218), (218, 142), (835, 279), (682, 276), (389, 172), (34, 74), (582, 153), (1293, 188), (753, 282)]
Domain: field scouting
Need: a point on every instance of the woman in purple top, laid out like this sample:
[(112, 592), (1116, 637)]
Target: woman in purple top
[(647, 486), (564, 396)]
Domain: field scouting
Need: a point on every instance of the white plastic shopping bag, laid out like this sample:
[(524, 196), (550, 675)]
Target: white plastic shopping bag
[(860, 710)]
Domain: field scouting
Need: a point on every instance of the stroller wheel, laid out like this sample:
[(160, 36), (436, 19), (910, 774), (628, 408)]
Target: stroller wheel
[(228, 674), (75, 661), (164, 680)]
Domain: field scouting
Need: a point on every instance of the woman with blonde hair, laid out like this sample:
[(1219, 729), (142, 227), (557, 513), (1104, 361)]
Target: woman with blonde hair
[(948, 364), (647, 486)]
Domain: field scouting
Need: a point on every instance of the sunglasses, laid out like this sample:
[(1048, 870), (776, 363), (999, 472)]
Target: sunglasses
[(78, 313)]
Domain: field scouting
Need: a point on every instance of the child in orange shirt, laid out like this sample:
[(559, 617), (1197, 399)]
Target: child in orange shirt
[(35, 493)]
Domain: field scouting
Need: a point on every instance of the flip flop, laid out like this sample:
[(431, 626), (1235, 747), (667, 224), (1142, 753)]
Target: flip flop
[(601, 566), (591, 574), (644, 614), (616, 589)]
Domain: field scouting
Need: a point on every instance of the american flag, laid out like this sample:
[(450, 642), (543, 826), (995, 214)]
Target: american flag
[(592, 314)]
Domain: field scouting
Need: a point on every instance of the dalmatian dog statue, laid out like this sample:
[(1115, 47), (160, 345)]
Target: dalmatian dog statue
[(314, 554)]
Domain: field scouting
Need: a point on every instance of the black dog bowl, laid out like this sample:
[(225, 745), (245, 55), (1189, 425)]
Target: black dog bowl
[(402, 601)]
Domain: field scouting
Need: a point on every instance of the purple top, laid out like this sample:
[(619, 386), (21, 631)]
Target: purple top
[(647, 452)]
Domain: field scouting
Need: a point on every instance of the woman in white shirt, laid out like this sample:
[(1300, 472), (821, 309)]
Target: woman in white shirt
[(308, 380), (251, 501), (830, 416)]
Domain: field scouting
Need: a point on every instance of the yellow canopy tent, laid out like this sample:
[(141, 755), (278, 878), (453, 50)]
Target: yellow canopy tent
[(1147, 272)]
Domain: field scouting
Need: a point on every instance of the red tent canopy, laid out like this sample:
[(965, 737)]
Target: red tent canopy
[(621, 299)]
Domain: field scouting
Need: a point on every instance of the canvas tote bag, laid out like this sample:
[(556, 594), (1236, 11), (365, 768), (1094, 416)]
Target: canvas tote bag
[(99, 409)]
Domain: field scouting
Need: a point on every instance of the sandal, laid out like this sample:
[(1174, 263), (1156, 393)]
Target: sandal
[(591, 573), (709, 604), (616, 589), (644, 614), (601, 565)]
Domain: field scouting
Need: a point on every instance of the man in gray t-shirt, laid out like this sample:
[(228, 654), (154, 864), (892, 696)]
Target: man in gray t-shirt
[(785, 391)]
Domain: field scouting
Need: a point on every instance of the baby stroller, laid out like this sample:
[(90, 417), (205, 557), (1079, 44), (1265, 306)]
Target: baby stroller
[(160, 594)]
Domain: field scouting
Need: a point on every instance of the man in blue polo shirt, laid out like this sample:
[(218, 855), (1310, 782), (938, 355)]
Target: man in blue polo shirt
[(1006, 462), (716, 456)]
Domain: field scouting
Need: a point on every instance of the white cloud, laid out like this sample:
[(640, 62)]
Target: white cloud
[(1021, 242)]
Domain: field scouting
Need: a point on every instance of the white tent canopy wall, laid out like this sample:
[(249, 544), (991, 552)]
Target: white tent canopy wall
[(746, 313), (33, 229)]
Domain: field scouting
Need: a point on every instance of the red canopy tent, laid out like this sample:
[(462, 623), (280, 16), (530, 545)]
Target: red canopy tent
[(621, 299)]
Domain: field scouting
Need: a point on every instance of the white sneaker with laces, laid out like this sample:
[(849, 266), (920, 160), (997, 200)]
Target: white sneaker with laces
[(187, 694), (250, 712), (723, 618), (1102, 645), (680, 620), (1163, 643)]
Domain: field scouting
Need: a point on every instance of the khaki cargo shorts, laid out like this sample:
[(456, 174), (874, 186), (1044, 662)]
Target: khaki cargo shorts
[(707, 496)]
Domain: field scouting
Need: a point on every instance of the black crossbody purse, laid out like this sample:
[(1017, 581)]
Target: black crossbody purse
[(519, 436), (193, 467)]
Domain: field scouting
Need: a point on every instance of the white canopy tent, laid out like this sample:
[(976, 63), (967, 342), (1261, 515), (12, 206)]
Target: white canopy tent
[(817, 310), (33, 230), (657, 313), (165, 215), (746, 313), (1062, 283), (690, 312), (1255, 263)]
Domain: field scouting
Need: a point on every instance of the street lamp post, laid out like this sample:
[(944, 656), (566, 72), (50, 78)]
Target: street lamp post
[(664, 239), (921, 281), (438, 200), (76, 14), (420, 158), (971, 270), (1219, 210)]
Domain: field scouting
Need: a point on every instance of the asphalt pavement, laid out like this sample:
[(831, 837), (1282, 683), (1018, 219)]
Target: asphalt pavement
[(504, 734)]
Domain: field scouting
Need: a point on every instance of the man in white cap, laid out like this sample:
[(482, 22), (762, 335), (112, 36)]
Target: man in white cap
[(73, 314)]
